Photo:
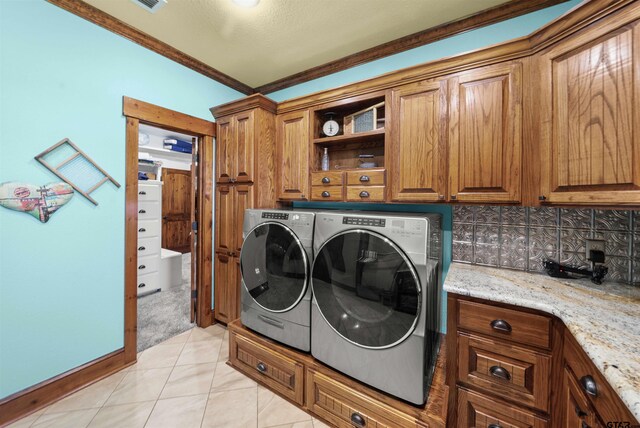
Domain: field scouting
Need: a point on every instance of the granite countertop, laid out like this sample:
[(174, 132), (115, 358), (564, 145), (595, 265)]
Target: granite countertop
[(604, 319)]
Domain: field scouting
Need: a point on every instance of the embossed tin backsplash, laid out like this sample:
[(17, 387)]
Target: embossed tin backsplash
[(520, 238)]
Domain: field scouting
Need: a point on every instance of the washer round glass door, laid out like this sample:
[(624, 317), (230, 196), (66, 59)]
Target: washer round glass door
[(273, 265), (366, 289)]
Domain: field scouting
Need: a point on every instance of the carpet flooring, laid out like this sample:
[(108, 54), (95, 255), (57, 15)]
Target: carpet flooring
[(167, 313)]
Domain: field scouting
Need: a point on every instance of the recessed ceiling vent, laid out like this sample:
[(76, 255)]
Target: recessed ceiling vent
[(150, 5)]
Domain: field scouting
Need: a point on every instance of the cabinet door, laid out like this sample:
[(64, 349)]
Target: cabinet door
[(243, 146), (225, 288), (292, 134), (478, 411), (242, 199), (417, 142), (224, 149), (485, 134), (224, 230), (577, 411), (590, 92)]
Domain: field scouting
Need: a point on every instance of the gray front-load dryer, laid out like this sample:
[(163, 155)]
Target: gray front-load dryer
[(275, 264), (376, 298)]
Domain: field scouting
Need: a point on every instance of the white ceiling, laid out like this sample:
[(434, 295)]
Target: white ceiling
[(281, 37)]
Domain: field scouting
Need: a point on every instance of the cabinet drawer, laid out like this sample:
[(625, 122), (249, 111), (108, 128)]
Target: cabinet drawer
[(148, 282), (148, 264), (326, 178), (342, 406), (148, 228), (606, 401), (511, 372), (365, 193), (477, 411), (502, 323), (279, 372), (149, 192), (148, 246), (327, 193), (149, 210), (365, 178)]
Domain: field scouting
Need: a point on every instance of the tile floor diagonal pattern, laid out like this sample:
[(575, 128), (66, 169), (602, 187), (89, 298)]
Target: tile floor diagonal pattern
[(183, 382)]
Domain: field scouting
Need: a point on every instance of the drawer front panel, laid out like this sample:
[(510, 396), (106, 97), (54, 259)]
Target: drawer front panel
[(148, 264), (149, 192), (365, 178), (511, 372), (149, 211), (278, 371), (148, 282), (148, 228), (327, 178), (148, 246), (340, 405), (327, 193), (477, 411), (365, 193), (521, 327)]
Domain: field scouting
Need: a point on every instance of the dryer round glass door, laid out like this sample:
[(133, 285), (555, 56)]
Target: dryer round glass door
[(366, 289), (273, 265)]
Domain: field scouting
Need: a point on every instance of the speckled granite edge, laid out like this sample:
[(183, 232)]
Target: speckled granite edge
[(605, 320)]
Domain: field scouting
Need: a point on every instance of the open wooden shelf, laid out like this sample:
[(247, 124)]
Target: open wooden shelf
[(362, 137)]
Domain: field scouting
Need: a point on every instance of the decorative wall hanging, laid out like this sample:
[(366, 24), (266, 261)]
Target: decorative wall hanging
[(38, 201), (74, 167)]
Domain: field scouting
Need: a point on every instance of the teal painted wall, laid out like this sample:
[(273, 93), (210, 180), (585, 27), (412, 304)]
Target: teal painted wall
[(465, 42), (62, 283)]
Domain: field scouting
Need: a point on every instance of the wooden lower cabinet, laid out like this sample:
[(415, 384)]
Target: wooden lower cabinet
[(475, 410), (577, 412), (226, 287)]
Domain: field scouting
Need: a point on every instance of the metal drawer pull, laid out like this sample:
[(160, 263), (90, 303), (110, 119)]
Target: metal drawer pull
[(589, 385), (325, 194), (141, 267), (142, 192), (326, 180), (364, 194), (454, 197), (141, 248), (501, 325), (142, 229), (494, 426), (500, 372), (364, 178), (142, 285), (358, 420), (142, 212), (261, 367), (580, 413)]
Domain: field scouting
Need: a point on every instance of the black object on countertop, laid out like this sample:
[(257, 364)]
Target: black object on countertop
[(558, 270)]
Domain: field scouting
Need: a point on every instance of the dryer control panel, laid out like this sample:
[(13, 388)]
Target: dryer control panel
[(276, 216), (364, 221)]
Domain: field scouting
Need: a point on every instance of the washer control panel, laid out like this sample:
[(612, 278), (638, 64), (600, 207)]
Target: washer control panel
[(364, 221), (275, 216)]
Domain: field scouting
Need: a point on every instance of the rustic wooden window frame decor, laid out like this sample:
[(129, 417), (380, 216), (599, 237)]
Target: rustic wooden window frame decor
[(78, 153)]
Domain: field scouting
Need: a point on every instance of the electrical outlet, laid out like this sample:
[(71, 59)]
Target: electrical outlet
[(594, 244)]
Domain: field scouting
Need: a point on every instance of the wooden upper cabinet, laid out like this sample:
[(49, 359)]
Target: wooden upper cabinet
[(417, 142), (590, 116), (244, 142), (224, 149), (485, 134), (293, 141)]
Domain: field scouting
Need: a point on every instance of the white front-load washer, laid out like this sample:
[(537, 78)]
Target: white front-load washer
[(275, 265), (376, 285)]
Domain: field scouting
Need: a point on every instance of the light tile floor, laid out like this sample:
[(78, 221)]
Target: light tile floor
[(181, 383)]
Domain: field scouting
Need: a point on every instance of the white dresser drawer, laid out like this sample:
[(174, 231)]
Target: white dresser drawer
[(149, 210), (148, 228), (148, 246), (149, 192), (148, 282), (148, 264)]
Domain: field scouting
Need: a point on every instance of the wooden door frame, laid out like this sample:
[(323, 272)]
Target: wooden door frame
[(137, 112)]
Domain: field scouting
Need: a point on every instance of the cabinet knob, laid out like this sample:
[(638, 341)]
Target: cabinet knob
[(580, 413), (142, 229), (501, 325), (365, 178), (589, 385), (142, 285), (325, 194), (141, 267), (326, 180), (261, 367), (358, 420), (364, 194), (441, 197), (542, 198), (454, 197), (142, 192), (141, 248), (142, 212), (500, 372)]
